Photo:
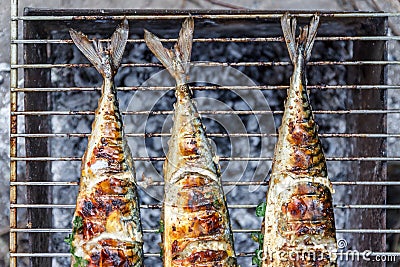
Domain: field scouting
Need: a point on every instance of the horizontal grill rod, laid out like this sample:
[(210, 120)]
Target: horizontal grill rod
[(57, 230), (243, 87), (205, 16), (149, 135), (61, 255), (225, 183), (242, 254), (214, 112), (220, 40), (220, 158), (232, 206), (350, 254), (243, 231), (216, 64)]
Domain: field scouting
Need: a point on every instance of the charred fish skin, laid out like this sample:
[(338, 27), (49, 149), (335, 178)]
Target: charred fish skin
[(107, 230), (299, 225), (197, 230)]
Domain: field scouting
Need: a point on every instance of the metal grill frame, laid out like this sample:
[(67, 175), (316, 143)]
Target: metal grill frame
[(16, 65)]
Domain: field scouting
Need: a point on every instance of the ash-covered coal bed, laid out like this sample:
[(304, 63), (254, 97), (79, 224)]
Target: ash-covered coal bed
[(155, 146)]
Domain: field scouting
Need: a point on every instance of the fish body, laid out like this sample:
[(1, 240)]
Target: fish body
[(106, 227), (196, 227), (299, 225)]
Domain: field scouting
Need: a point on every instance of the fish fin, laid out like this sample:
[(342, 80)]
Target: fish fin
[(155, 45), (86, 47), (95, 52), (175, 60), (289, 33), (185, 40), (118, 42), (306, 37)]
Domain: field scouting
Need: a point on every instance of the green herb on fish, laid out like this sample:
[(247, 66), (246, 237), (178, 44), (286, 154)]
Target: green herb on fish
[(77, 224), (217, 204), (80, 262), (161, 227), (76, 227), (256, 260), (69, 239), (261, 208), (259, 238)]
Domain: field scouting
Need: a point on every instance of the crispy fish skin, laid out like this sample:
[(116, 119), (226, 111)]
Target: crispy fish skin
[(107, 229), (299, 225), (197, 230)]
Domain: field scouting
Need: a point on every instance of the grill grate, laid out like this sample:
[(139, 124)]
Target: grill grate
[(30, 127)]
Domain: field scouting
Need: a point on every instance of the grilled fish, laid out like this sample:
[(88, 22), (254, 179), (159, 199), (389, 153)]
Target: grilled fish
[(197, 230), (106, 226), (299, 221)]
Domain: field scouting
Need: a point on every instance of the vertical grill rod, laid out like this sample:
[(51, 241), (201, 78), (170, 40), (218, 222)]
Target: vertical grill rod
[(13, 130)]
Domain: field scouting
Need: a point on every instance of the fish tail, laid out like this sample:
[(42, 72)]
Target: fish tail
[(105, 59), (175, 60), (306, 39)]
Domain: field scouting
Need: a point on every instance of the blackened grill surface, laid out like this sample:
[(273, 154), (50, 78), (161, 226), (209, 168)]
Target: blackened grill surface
[(327, 99)]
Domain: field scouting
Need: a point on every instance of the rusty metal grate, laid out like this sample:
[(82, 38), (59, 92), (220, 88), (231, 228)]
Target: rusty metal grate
[(39, 33)]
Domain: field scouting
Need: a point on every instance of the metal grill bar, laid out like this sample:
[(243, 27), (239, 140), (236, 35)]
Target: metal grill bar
[(225, 183), (243, 254), (217, 64), (204, 16), (360, 231), (220, 40), (220, 158), (254, 87), (231, 206), (48, 254), (220, 112), (13, 130), (149, 135)]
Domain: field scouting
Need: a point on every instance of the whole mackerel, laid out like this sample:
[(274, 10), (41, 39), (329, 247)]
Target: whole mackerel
[(196, 227), (299, 222), (106, 226)]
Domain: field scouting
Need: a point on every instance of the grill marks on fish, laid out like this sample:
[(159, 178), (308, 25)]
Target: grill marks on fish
[(110, 232), (301, 130), (308, 157), (115, 253), (299, 217), (307, 226), (204, 258), (110, 144), (100, 213), (201, 202), (196, 223), (307, 211)]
